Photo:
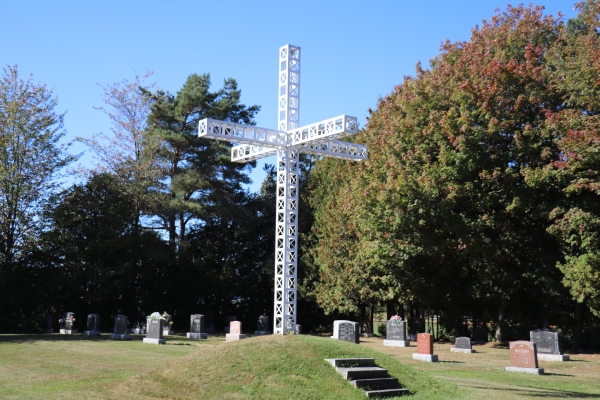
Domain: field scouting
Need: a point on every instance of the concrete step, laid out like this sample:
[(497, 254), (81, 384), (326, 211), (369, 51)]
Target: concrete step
[(351, 362), (387, 393), (377, 383), (363, 373)]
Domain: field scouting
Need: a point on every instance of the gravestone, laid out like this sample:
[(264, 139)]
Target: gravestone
[(168, 326), (197, 327), (209, 325), (154, 331), (480, 335), (462, 344), (229, 319), (298, 329), (48, 324), (548, 345), (346, 330), (415, 326), (235, 332), (425, 348), (67, 324), (395, 334), (262, 326), (93, 325), (523, 358), (121, 332)]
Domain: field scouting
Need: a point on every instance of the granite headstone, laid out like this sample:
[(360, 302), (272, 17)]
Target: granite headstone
[(523, 358), (154, 331), (197, 327), (462, 344)]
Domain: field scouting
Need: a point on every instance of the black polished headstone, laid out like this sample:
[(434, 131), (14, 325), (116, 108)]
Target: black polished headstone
[(348, 333), (480, 335), (48, 322), (93, 322), (415, 327), (154, 328), (197, 323), (121, 324), (546, 340), (462, 342), (395, 330)]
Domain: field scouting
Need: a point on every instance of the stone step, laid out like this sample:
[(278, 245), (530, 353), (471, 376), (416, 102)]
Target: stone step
[(363, 372), (387, 393), (351, 362), (377, 383)]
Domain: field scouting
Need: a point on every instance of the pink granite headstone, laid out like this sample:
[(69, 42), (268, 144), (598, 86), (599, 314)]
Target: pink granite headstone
[(235, 328)]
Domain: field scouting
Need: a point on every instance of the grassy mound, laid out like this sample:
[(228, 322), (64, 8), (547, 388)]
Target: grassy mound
[(273, 367)]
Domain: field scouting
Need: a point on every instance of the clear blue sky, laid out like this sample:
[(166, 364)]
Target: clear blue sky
[(353, 52)]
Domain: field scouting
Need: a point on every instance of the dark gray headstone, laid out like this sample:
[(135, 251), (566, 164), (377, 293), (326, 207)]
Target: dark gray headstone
[(480, 335), (415, 326), (263, 323), (93, 322), (462, 342), (121, 324), (154, 328), (197, 323), (348, 332), (70, 321), (546, 340), (395, 330), (48, 322)]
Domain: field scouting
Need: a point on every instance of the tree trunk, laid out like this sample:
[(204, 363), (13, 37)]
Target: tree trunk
[(500, 324), (577, 330)]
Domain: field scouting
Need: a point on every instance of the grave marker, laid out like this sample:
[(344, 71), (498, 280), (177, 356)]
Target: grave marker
[(67, 324), (548, 345), (523, 358), (462, 344), (395, 334), (425, 348), (197, 327), (262, 326), (346, 330), (235, 332), (154, 329), (48, 324), (120, 331), (93, 325)]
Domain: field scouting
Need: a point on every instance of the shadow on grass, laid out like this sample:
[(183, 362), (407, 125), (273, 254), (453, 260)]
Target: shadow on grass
[(450, 362), (538, 392), (23, 338), (553, 374)]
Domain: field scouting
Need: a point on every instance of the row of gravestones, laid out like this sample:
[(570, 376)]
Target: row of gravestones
[(544, 345)]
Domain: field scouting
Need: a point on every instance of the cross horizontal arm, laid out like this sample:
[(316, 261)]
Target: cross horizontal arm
[(337, 149), (242, 134), (332, 128), (249, 152)]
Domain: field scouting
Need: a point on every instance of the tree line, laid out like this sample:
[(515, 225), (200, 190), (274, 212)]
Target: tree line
[(478, 202)]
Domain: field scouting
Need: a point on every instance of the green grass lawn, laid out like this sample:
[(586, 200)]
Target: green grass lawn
[(267, 367)]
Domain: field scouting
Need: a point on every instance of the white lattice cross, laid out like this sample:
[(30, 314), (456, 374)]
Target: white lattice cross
[(290, 139)]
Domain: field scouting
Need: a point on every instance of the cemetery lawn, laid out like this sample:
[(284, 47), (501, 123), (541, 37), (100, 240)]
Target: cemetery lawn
[(482, 376), (265, 367)]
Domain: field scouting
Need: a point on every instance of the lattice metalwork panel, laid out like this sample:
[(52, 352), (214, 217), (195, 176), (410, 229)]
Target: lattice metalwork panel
[(289, 88), (250, 152), (337, 149), (286, 240), (332, 128), (242, 134)]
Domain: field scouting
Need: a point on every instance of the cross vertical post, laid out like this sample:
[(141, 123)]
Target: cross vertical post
[(288, 141), (286, 234)]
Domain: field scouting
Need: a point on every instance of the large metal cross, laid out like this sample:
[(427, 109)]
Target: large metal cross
[(287, 142)]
